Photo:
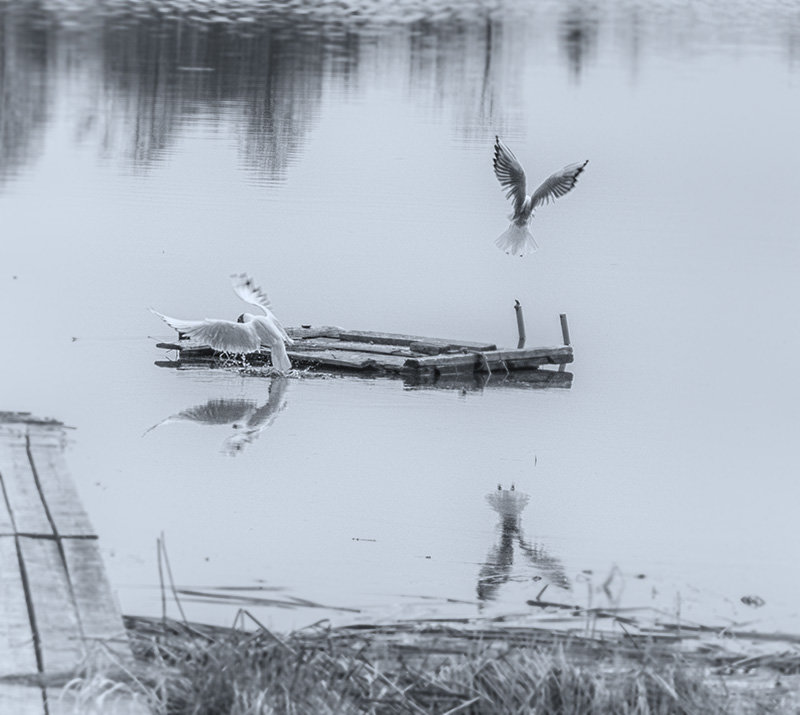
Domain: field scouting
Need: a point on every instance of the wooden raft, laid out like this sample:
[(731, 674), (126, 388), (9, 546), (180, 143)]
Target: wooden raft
[(57, 612), (413, 357)]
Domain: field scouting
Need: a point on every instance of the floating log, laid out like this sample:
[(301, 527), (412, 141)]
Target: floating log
[(417, 359)]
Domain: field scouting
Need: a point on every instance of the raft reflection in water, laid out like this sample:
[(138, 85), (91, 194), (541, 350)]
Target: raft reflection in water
[(497, 570), (246, 417)]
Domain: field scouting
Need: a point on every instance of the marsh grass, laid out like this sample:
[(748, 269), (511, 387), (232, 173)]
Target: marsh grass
[(421, 668), (481, 667)]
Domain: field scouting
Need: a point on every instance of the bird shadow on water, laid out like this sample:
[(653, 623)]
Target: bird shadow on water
[(246, 418)]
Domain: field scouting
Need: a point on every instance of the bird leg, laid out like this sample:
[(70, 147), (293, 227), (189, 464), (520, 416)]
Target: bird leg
[(486, 363), (227, 359)]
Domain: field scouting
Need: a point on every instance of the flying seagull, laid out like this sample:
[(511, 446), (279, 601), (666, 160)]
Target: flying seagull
[(247, 334), (517, 238)]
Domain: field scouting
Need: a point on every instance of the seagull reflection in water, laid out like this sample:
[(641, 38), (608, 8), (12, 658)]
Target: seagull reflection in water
[(496, 571), (246, 417)]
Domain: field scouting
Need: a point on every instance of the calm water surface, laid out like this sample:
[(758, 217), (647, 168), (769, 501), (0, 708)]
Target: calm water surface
[(342, 155)]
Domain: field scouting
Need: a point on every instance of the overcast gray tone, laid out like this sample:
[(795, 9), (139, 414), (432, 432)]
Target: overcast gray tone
[(344, 160)]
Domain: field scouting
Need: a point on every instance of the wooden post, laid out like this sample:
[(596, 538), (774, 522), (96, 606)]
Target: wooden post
[(520, 324), (564, 328)]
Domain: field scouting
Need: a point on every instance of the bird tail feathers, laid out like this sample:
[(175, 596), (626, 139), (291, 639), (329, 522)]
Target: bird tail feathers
[(516, 240)]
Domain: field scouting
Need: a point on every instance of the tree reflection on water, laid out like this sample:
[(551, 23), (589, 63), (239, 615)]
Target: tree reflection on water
[(25, 96), (148, 71), (148, 68)]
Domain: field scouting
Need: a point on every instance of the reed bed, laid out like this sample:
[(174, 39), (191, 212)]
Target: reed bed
[(637, 666), (430, 667)]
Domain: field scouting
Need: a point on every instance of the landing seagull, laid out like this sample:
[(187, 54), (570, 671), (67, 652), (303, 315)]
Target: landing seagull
[(517, 239), (247, 334)]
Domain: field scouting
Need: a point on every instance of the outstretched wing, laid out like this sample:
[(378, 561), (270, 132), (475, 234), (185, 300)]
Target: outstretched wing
[(558, 184), (213, 412), (249, 292), (509, 173), (222, 335)]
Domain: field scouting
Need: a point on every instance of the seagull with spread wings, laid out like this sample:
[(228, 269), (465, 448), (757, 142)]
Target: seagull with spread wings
[(247, 334), (517, 238)]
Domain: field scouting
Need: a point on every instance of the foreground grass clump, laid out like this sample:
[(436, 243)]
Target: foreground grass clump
[(208, 671)]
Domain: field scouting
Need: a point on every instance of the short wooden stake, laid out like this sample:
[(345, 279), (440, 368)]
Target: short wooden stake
[(564, 328), (520, 324)]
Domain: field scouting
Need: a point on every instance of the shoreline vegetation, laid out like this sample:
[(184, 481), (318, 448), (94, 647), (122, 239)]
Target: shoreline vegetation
[(443, 667), (595, 661)]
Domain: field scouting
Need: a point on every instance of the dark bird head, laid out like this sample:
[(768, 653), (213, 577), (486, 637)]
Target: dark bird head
[(240, 319)]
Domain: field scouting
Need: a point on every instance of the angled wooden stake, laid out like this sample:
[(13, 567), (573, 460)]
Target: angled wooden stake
[(520, 324), (564, 328)]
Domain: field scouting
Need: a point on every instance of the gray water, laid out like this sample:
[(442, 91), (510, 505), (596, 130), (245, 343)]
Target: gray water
[(341, 154)]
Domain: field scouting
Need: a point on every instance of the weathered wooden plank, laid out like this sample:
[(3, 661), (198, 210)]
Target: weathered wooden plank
[(553, 356), (366, 336), (324, 331), (97, 609), (393, 358), (495, 358), (21, 699), (55, 601), (388, 343), (57, 487), (332, 344), (349, 359), (54, 610), (26, 509), (196, 350), (6, 525), (17, 653), (527, 379), (426, 347), (21, 418)]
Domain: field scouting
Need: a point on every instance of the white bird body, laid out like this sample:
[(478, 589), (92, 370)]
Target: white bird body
[(244, 336), (517, 238)]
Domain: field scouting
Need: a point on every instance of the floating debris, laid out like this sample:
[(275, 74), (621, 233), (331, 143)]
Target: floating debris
[(419, 360)]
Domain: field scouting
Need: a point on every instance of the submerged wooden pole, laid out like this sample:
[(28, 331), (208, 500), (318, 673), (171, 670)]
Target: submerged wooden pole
[(564, 335), (520, 324), (564, 328)]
